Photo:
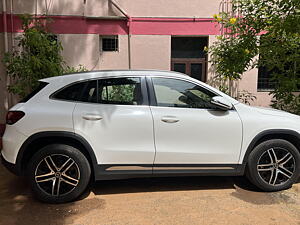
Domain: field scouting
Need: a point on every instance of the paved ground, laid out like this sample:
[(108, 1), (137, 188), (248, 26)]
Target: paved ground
[(197, 200)]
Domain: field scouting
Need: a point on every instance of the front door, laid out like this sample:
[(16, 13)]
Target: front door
[(188, 129)]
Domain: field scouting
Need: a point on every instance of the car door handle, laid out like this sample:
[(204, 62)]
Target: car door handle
[(92, 117), (169, 119)]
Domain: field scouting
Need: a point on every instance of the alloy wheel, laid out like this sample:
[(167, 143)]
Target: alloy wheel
[(57, 175), (276, 166)]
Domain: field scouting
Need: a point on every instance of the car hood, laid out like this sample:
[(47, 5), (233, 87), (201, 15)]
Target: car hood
[(275, 112)]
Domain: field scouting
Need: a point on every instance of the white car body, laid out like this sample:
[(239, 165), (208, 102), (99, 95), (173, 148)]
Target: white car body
[(134, 137)]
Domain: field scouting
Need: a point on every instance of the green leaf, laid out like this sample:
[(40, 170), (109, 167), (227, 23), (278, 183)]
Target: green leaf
[(38, 56)]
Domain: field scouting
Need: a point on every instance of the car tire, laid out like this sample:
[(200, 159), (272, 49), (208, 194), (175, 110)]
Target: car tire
[(58, 173), (273, 165)]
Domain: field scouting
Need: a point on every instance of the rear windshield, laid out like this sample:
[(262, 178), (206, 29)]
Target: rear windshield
[(34, 92)]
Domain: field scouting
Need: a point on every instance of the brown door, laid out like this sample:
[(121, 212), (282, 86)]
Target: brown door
[(188, 56), (192, 67)]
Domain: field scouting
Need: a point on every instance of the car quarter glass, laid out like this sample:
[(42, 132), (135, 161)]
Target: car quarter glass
[(72, 92)]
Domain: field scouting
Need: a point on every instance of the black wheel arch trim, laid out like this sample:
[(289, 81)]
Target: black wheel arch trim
[(53, 134), (266, 133)]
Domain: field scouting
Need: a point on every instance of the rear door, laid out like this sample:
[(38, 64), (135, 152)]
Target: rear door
[(115, 118)]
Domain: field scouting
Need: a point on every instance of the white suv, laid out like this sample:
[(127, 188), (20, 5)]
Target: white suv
[(123, 124)]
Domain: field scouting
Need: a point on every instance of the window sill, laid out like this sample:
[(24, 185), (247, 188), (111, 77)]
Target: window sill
[(265, 90)]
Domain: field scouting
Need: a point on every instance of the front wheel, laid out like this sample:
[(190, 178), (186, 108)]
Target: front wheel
[(274, 165), (58, 173)]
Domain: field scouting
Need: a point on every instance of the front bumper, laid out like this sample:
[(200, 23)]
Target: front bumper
[(9, 166)]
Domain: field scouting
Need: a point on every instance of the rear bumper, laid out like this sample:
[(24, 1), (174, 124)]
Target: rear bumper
[(9, 166), (12, 141)]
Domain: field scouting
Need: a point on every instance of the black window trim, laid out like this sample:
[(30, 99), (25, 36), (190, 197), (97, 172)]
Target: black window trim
[(152, 96), (151, 92), (143, 90)]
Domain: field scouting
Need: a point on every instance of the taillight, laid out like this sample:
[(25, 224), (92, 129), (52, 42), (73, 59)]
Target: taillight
[(14, 116), (2, 129)]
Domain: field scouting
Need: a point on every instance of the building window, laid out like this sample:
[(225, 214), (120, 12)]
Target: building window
[(188, 47), (264, 81), (109, 43)]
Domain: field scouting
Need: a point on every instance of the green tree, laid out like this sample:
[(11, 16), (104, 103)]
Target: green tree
[(270, 29), (37, 56)]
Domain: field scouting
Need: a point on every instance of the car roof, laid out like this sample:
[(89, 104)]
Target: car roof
[(60, 81), (72, 77)]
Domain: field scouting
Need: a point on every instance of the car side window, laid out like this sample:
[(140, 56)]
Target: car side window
[(178, 93), (71, 92), (82, 91), (120, 91), (89, 93)]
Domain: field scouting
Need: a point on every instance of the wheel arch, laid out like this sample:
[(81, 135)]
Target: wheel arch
[(289, 135), (41, 139)]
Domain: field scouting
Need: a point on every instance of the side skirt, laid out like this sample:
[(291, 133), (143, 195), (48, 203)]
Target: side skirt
[(112, 172)]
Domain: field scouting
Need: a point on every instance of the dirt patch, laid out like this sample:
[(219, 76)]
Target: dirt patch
[(191, 200)]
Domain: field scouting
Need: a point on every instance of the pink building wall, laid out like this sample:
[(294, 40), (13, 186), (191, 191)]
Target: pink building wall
[(135, 8), (152, 25)]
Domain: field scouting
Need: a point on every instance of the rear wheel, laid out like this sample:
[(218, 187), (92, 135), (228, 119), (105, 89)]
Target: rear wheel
[(274, 165), (58, 173)]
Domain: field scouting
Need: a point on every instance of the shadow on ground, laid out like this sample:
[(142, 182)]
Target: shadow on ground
[(170, 184)]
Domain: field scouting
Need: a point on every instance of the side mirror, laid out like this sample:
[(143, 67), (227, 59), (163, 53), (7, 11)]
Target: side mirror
[(221, 103)]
